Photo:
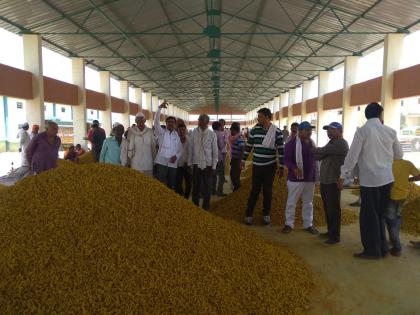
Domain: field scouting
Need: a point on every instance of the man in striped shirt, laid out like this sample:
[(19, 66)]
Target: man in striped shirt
[(266, 142)]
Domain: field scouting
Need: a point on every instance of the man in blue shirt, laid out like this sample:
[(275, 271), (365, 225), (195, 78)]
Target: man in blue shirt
[(111, 148)]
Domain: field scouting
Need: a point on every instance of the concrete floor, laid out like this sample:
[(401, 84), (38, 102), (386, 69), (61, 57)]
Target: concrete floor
[(346, 285)]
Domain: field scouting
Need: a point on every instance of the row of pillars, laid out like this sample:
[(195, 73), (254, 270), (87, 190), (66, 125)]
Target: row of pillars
[(32, 47), (393, 45)]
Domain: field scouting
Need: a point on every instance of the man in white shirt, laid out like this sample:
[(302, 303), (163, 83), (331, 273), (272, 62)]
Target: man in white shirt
[(141, 150), (170, 149), (202, 157), (24, 139), (373, 150)]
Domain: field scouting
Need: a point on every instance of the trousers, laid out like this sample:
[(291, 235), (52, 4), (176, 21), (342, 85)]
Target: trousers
[(183, 176), (393, 222), (235, 173), (202, 181), (296, 190), (262, 177), (166, 175), (219, 178), (331, 196), (374, 202)]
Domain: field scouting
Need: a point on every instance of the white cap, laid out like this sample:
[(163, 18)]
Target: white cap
[(140, 115)]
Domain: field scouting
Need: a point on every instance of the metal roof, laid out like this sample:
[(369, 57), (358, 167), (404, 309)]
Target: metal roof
[(238, 53)]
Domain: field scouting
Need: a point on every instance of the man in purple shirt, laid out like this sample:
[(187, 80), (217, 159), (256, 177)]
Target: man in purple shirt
[(301, 178), (42, 152)]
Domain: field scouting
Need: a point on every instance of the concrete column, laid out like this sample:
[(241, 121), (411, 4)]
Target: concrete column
[(124, 95), (349, 112), (148, 107), (292, 100), (186, 117), (322, 137), (306, 89), (171, 110), (284, 102), (137, 97), (32, 55), (105, 87), (276, 108), (271, 106), (155, 105), (79, 111), (393, 45)]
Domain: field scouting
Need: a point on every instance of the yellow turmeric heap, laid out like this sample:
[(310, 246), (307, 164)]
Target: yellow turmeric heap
[(234, 205), (105, 239)]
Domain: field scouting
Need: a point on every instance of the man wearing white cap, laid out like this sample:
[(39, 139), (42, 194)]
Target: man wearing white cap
[(24, 139), (141, 150)]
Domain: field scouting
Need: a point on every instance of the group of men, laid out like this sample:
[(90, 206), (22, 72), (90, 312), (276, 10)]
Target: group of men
[(39, 150), (375, 157), (182, 161), (24, 139), (178, 160)]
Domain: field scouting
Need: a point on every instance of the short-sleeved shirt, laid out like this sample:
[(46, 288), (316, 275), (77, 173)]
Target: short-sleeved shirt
[(237, 147), (402, 170)]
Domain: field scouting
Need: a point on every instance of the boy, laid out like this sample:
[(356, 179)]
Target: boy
[(402, 170)]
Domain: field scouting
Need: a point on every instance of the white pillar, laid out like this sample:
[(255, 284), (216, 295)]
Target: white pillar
[(171, 110), (271, 106), (79, 111), (322, 137), (148, 107), (137, 98), (393, 45), (284, 102), (349, 112), (155, 105), (292, 100), (276, 108), (306, 90), (105, 88), (124, 95), (32, 55)]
